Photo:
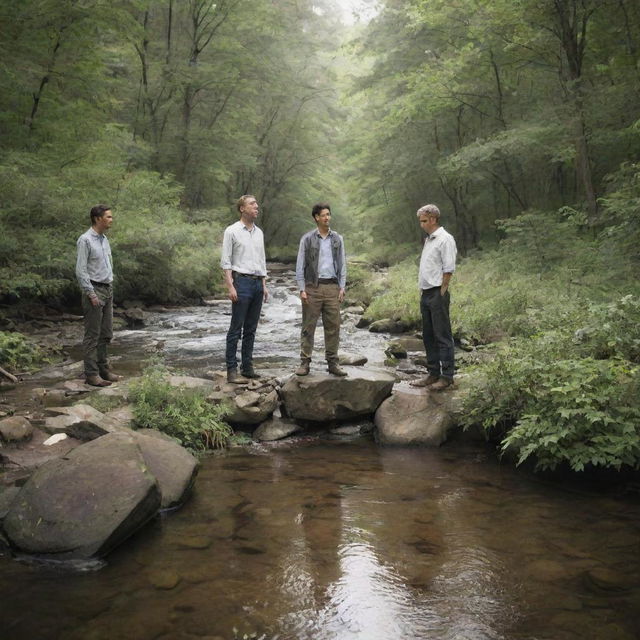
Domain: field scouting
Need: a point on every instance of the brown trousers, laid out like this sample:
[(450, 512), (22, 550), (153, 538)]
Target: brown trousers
[(321, 301)]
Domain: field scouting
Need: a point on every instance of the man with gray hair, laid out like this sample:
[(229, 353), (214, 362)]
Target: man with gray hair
[(437, 264)]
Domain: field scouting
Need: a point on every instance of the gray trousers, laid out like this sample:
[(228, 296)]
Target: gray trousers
[(98, 330)]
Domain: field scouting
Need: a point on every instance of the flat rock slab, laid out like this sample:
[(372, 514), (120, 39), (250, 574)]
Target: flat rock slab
[(81, 421), (84, 504), (319, 397)]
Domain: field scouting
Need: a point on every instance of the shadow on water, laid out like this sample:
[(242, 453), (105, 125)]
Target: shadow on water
[(338, 540)]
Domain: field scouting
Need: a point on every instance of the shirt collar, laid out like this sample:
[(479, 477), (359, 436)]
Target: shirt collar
[(321, 238), (436, 232)]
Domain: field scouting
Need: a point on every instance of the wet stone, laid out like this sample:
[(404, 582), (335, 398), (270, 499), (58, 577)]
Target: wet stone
[(603, 579), (165, 580), (194, 542)]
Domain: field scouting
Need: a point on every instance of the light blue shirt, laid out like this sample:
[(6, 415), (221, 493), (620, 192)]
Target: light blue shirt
[(438, 257), (326, 268), (94, 260)]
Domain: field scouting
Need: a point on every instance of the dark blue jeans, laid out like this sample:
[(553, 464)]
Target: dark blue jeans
[(245, 314), (436, 332)]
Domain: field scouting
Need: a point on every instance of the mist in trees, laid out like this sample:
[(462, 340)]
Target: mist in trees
[(168, 110)]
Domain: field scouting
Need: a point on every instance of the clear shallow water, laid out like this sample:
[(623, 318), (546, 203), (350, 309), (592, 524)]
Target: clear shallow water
[(326, 539)]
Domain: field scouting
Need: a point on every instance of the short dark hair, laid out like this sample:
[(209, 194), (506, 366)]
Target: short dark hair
[(317, 208), (98, 211)]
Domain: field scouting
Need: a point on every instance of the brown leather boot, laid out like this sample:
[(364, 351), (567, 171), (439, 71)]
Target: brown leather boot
[(96, 381), (303, 369), (111, 377), (336, 369), (441, 385), (427, 381)]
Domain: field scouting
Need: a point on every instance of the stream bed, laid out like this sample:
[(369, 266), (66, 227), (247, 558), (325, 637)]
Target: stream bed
[(329, 538)]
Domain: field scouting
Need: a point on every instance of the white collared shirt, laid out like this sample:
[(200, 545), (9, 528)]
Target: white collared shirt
[(438, 256), (243, 250)]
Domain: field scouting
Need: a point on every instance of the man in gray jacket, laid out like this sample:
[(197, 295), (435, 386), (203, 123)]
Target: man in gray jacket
[(94, 271), (321, 274)]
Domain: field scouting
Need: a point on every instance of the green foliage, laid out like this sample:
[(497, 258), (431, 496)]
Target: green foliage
[(557, 409), (613, 330), (17, 353), (182, 413), (400, 298)]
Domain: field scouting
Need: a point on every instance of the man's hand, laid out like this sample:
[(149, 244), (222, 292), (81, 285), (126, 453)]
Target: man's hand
[(94, 300), (341, 295), (233, 294), (304, 297), (265, 294)]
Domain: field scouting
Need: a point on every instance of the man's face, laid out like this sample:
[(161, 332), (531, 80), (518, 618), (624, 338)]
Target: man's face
[(105, 222), (428, 222), (323, 219), (249, 209)]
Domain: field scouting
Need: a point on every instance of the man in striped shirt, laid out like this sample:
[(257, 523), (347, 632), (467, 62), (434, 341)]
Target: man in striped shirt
[(94, 271)]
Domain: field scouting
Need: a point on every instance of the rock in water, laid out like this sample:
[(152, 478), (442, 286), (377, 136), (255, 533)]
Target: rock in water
[(320, 397), (413, 418), (85, 504)]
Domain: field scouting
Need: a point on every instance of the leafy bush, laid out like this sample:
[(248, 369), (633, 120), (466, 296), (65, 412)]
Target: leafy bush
[(17, 353), (184, 414), (555, 409), (613, 330)]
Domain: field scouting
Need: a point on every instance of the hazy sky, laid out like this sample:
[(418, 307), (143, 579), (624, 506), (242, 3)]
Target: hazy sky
[(364, 7)]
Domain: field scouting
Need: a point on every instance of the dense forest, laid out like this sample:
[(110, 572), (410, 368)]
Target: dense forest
[(520, 119)]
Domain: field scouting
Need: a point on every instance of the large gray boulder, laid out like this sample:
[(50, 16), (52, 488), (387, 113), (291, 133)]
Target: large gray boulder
[(320, 397), (411, 418), (84, 504), (80, 421), (172, 465), (419, 416)]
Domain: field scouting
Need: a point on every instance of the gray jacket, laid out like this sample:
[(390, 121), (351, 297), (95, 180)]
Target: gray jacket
[(309, 255)]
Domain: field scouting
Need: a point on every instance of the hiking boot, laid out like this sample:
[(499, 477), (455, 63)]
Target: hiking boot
[(111, 377), (336, 369), (441, 385), (250, 373), (303, 369), (427, 381), (232, 376), (96, 381)]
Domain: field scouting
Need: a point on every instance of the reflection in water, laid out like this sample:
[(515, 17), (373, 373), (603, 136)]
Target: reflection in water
[(338, 541)]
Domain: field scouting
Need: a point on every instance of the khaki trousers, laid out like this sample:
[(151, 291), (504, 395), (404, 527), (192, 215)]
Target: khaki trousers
[(321, 301)]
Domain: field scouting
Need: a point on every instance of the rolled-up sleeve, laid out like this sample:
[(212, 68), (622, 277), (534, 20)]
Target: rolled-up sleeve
[(449, 253), (300, 266), (82, 273), (227, 247)]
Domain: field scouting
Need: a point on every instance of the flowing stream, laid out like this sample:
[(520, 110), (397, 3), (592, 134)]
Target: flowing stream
[(323, 538)]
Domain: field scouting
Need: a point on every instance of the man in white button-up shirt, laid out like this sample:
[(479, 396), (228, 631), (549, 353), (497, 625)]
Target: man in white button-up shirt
[(437, 264), (245, 271)]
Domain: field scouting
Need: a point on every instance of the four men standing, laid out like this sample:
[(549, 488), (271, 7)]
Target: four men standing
[(321, 273), (245, 271)]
